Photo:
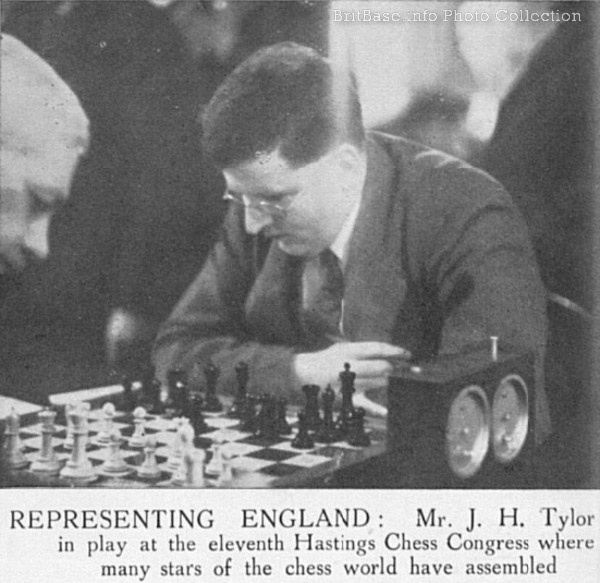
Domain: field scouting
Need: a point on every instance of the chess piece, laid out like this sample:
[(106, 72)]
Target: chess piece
[(215, 466), (347, 378), (283, 427), (226, 476), (129, 397), (47, 461), (151, 393), (196, 417), (82, 406), (138, 439), (191, 471), (115, 465), (149, 470), (248, 421), (78, 467), (356, 429), (302, 440), (239, 403), (327, 433), (178, 393), (176, 449), (211, 401), (313, 416), (13, 448), (106, 427), (266, 420)]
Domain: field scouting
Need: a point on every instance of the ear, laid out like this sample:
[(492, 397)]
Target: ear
[(351, 162)]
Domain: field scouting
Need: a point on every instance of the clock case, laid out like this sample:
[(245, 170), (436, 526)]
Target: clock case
[(419, 405)]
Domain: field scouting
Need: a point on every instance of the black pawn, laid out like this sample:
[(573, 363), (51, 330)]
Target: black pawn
[(178, 401), (239, 403), (327, 433), (211, 401), (196, 418), (303, 440), (266, 426), (283, 427), (248, 420), (356, 429), (313, 416), (129, 397)]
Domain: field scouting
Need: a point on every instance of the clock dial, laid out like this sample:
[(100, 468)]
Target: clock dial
[(510, 418), (467, 431)]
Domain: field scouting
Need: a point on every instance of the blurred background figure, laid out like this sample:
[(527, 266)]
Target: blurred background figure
[(43, 134)]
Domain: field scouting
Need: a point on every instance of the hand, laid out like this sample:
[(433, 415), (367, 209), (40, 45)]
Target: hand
[(366, 359)]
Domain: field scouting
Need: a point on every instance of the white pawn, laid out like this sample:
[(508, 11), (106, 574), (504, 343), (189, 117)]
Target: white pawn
[(115, 465), (138, 439), (226, 476), (78, 467), (103, 438), (13, 447), (149, 469), (176, 450), (215, 466), (82, 407), (47, 461)]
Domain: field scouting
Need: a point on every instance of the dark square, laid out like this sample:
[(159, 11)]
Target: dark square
[(327, 451), (279, 470), (276, 455), (262, 441)]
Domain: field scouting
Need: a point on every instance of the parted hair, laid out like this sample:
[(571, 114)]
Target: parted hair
[(285, 97)]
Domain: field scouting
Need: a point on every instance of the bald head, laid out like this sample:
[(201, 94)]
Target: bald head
[(43, 133)]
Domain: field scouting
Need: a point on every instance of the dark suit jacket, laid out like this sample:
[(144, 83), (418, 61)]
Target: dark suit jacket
[(439, 261)]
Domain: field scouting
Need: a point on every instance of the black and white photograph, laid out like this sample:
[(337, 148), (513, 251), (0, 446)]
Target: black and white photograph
[(287, 259)]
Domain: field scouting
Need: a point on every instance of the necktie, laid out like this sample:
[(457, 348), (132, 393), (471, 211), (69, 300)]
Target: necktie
[(324, 290)]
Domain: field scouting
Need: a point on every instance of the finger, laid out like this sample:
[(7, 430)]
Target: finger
[(371, 369), (372, 408), (366, 350)]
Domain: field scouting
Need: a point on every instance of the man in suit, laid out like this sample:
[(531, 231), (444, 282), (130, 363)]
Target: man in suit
[(432, 256)]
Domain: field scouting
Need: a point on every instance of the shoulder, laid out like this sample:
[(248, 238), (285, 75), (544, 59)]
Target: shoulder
[(433, 181)]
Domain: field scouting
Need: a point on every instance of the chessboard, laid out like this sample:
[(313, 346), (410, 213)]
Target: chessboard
[(225, 453)]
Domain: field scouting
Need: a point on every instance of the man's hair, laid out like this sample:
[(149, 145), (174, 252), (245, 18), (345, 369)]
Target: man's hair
[(37, 106), (286, 97)]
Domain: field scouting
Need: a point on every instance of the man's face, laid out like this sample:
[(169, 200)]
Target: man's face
[(34, 184), (316, 198)]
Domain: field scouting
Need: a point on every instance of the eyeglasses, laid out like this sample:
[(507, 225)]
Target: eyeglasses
[(272, 209)]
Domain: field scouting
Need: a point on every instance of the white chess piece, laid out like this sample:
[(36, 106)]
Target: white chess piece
[(138, 439), (47, 461), (78, 467), (13, 447), (149, 469), (103, 437), (115, 465)]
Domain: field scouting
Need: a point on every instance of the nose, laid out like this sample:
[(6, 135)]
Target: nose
[(255, 220), (36, 238)]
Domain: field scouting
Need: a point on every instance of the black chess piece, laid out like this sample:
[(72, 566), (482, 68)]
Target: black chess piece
[(211, 401), (266, 426), (347, 378), (356, 429), (327, 432), (303, 440), (241, 373), (178, 401), (129, 399), (248, 420), (197, 421), (313, 416), (283, 427)]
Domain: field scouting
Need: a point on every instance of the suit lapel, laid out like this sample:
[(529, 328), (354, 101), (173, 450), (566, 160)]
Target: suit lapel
[(272, 304), (374, 279)]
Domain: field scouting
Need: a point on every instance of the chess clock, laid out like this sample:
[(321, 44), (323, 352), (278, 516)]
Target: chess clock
[(463, 421)]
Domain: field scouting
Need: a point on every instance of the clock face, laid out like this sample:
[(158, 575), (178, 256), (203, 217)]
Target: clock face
[(510, 418), (467, 431)]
